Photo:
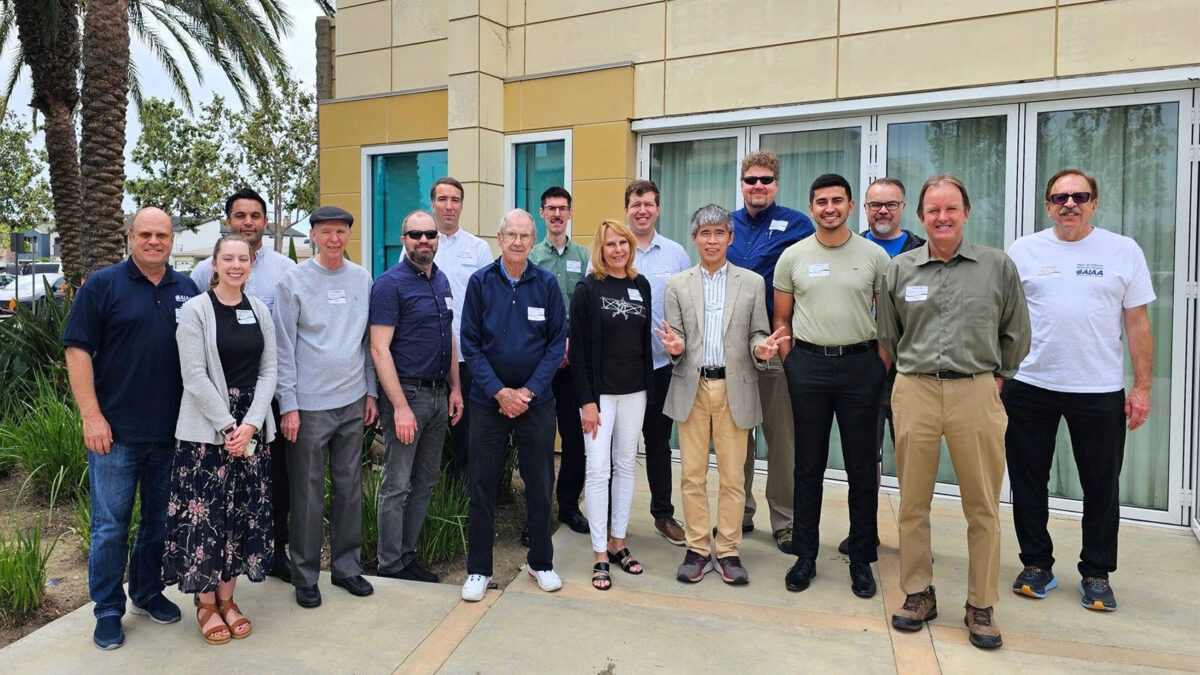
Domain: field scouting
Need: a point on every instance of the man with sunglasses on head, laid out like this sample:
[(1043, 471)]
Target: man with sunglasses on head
[(762, 229), (1083, 285)]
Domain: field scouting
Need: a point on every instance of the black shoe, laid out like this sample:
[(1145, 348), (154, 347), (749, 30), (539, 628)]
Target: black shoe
[(108, 634), (575, 521), (356, 585), (525, 537), (308, 596), (416, 572), (844, 546), (159, 609), (862, 582), (745, 529), (800, 575), (281, 570)]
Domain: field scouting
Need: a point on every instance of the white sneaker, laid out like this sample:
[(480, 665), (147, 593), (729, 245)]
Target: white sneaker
[(475, 587), (547, 580)]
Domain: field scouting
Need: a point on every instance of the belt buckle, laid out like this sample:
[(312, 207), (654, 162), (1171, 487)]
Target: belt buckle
[(939, 377), (836, 351)]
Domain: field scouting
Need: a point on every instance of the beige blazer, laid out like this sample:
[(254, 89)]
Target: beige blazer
[(745, 325)]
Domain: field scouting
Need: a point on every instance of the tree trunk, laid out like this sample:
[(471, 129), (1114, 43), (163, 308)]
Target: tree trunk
[(105, 97)]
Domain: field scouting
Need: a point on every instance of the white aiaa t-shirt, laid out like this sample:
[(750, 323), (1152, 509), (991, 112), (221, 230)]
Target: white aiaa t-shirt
[(1077, 292)]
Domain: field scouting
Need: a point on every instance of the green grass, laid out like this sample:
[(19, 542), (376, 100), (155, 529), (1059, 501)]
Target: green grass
[(23, 560), (46, 439), (444, 534)]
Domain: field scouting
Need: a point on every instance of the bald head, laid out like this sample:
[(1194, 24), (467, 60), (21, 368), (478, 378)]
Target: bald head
[(149, 215), (150, 240)]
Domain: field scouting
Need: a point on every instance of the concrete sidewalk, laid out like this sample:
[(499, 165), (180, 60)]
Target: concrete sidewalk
[(653, 623)]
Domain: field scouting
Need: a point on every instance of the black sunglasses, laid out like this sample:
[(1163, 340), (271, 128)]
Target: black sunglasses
[(1061, 198), (417, 234), (754, 180)]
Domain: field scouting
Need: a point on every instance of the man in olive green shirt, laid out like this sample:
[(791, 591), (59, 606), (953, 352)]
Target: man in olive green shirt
[(954, 319), (568, 262)]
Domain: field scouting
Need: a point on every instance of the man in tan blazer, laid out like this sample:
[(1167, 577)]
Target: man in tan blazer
[(715, 333)]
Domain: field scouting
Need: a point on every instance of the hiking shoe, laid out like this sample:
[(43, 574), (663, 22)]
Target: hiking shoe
[(732, 571), (800, 575), (671, 530), (475, 587), (1097, 594), (694, 567), (783, 539), (982, 627), (1034, 581), (918, 608), (862, 582), (108, 634), (159, 609)]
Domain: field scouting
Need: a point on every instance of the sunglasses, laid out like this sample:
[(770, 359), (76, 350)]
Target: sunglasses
[(417, 234), (755, 180), (1061, 198)]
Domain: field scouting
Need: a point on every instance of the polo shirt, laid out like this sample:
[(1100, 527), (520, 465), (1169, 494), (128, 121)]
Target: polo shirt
[(568, 267), (267, 269), (421, 307), (658, 262), (759, 241), (127, 324), (513, 335)]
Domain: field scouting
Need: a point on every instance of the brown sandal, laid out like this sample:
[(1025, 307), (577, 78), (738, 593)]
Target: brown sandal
[(227, 606), (206, 611)]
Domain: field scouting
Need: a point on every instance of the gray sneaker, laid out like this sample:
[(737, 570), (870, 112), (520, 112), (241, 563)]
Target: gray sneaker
[(694, 567), (732, 571)]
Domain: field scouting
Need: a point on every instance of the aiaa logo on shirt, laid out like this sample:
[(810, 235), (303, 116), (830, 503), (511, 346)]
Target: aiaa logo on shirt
[(1089, 270)]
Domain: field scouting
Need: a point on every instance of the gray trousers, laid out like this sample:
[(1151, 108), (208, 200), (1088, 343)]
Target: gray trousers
[(409, 474), (332, 437), (778, 427)]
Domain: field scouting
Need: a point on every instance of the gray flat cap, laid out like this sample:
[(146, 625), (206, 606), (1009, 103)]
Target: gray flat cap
[(324, 214)]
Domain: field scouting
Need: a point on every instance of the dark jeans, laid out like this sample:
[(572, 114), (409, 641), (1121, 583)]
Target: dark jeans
[(656, 431), (821, 387), (280, 491), (533, 434), (570, 431), (113, 480), (460, 434), (1096, 423)]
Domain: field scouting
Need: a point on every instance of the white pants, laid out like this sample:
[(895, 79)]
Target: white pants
[(612, 454)]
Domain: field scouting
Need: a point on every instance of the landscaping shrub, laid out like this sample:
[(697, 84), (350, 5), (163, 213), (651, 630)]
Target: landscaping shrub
[(444, 535), (22, 570), (372, 479), (31, 351), (83, 521), (47, 438)]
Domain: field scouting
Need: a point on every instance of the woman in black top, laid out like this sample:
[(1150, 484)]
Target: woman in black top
[(612, 376)]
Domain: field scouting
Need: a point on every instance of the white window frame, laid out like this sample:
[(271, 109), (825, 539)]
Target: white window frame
[(738, 134), (366, 196), (511, 142)]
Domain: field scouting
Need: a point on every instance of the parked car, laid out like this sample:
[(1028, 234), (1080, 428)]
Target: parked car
[(27, 289)]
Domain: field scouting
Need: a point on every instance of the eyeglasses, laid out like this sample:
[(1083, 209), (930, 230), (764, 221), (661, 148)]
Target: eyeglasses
[(755, 180), (523, 236), (1061, 198), (890, 206), (417, 234), (557, 209)]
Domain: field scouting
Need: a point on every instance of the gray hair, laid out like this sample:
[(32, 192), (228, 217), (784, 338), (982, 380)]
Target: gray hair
[(508, 216), (711, 214)]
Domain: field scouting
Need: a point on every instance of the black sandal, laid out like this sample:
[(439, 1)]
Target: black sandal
[(625, 559), (600, 573)]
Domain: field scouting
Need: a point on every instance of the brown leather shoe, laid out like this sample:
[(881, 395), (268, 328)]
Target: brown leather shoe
[(671, 530), (783, 539), (918, 608), (985, 634)]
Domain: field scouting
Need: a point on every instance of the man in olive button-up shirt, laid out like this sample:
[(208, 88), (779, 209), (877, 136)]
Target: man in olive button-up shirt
[(953, 316)]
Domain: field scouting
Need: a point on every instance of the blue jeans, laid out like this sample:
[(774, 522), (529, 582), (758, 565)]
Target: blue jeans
[(114, 479)]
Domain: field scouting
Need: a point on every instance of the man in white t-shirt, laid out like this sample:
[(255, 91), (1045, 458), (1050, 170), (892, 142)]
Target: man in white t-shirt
[(1082, 285)]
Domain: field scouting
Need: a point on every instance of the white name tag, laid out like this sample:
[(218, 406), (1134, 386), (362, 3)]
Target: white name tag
[(1049, 271), (574, 266), (178, 314), (635, 294), (916, 293), (818, 270), (337, 297), (778, 225), (245, 317), (465, 255), (449, 303), (537, 314)]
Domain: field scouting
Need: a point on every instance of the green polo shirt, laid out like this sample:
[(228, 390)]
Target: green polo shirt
[(967, 314), (833, 288), (567, 267)]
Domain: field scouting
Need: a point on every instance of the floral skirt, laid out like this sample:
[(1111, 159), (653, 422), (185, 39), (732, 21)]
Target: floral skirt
[(219, 514)]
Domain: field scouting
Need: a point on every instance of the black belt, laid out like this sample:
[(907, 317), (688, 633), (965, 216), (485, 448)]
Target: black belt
[(419, 383), (838, 350), (948, 375), (712, 373)]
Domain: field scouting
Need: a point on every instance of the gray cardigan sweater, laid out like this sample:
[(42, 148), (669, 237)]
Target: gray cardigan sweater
[(204, 409)]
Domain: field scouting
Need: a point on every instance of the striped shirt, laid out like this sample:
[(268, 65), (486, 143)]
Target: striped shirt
[(714, 315)]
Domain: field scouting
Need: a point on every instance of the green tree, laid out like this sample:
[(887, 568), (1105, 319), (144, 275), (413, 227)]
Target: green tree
[(24, 191)]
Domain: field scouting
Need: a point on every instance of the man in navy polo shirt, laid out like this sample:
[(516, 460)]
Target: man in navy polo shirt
[(762, 229), (415, 366), (123, 364), (514, 334)]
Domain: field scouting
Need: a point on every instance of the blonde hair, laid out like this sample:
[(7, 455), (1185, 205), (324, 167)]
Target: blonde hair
[(212, 282), (599, 267)]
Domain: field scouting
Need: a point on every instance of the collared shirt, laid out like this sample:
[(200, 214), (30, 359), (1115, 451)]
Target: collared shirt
[(658, 262), (267, 269), (966, 315), (568, 265), (759, 241), (127, 325), (458, 256), (421, 308), (714, 315)]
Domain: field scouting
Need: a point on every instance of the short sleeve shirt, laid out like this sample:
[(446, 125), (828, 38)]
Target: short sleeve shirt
[(420, 307), (833, 288)]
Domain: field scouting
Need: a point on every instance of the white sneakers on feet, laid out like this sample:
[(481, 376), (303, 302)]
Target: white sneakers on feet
[(547, 580), (475, 587)]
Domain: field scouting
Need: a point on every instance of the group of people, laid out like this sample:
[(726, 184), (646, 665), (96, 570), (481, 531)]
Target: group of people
[(787, 321)]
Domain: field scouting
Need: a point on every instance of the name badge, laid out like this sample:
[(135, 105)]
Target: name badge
[(245, 317), (337, 297), (537, 314), (635, 294), (778, 225), (465, 255), (818, 270), (916, 293), (449, 303), (1049, 271), (178, 314), (574, 266)]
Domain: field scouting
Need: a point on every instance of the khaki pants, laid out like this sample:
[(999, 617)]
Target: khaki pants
[(710, 419), (777, 426), (969, 414)]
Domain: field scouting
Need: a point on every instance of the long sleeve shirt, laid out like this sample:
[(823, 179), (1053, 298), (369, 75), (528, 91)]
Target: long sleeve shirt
[(758, 241)]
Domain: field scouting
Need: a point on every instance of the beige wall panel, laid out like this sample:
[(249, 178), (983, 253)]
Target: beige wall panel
[(456, 9), (417, 21), (364, 74), (464, 46), (569, 100), (516, 12), (545, 10), (416, 117), (353, 123), (949, 55), (463, 101), (493, 48), (494, 10), (1118, 26), (491, 210), (602, 151), (491, 156), (364, 27), (513, 101), (340, 4), (516, 52), (491, 102), (634, 34), (593, 201), (648, 89), (751, 78), (745, 25), (462, 154), (419, 66), (340, 170), (859, 16)]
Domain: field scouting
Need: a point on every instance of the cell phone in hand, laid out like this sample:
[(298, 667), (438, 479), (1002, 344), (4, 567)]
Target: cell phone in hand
[(251, 447)]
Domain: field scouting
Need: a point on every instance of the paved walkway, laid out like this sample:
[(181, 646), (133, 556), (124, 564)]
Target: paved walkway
[(652, 623)]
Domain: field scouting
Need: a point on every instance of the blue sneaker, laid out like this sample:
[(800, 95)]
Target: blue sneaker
[(1097, 594), (108, 634), (159, 609), (1034, 581)]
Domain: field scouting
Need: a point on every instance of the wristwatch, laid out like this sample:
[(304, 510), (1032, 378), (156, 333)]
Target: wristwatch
[(229, 430)]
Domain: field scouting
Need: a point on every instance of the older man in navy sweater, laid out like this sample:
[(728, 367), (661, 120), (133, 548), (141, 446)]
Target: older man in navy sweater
[(514, 334)]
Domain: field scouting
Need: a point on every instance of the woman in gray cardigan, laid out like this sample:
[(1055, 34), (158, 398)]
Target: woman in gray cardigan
[(219, 514)]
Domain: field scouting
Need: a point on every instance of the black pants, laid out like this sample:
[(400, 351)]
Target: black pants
[(885, 412), (656, 430), (821, 387), (280, 491), (1096, 423), (460, 434), (533, 433), (570, 431)]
